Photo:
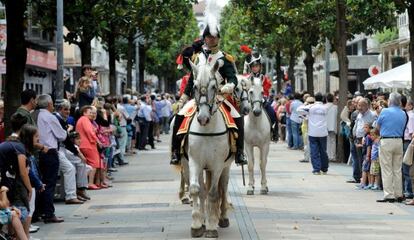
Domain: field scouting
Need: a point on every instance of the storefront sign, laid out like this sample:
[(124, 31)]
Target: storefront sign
[(41, 59)]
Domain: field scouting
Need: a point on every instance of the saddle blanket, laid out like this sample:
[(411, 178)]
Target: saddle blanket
[(189, 115)]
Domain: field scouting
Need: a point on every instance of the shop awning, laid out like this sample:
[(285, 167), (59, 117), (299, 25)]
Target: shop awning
[(399, 77)]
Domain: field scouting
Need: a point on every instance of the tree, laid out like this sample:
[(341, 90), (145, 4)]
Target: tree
[(16, 55), (161, 57)]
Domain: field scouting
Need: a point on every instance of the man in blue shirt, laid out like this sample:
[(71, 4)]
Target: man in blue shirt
[(296, 121), (391, 124)]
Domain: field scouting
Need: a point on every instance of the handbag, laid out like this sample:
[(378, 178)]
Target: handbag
[(408, 155)]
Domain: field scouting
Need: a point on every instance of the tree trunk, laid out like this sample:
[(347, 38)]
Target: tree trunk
[(86, 52), (341, 33), (130, 51), (279, 72), (411, 26), (309, 61), (112, 63), (291, 70), (16, 55), (142, 53)]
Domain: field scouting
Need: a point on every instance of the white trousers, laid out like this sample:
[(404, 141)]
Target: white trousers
[(69, 175), (331, 146), (390, 157), (82, 169)]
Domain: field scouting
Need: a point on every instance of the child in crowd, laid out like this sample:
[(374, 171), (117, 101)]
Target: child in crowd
[(10, 215), (375, 165), (366, 145)]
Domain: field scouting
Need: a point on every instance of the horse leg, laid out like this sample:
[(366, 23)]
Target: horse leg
[(224, 205), (213, 205), (185, 181), (181, 191), (264, 152), (196, 224), (250, 166)]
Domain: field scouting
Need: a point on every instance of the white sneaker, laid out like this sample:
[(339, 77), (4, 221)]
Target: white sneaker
[(33, 228)]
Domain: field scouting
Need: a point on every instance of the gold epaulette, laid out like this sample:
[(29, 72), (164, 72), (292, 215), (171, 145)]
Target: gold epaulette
[(194, 58), (229, 57)]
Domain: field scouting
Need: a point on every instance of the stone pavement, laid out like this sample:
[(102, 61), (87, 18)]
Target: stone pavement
[(143, 204)]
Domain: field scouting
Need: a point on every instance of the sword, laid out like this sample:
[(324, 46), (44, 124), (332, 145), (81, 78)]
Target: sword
[(244, 181)]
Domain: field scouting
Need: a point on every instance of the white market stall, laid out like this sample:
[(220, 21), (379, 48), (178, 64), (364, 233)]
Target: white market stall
[(399, 77)]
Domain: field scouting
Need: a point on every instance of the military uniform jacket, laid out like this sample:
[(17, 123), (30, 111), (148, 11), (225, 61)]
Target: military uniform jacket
[(225, 74)]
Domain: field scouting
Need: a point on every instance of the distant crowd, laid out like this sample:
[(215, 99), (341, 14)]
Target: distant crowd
[(377, 130)]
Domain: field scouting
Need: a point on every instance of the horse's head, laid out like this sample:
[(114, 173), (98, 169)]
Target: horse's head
[(241, 94), (256, 95), (205, 90)]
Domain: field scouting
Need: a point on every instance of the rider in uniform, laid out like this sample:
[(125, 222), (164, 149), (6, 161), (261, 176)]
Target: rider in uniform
[(226, 78), (253, 67)]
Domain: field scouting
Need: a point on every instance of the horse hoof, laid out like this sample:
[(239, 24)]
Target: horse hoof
[(196, 233), (264, 191), (250, 192), (185, 201), (211, 234), (224, 223)]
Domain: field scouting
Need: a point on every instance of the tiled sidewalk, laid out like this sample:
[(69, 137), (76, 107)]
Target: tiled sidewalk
[(143, 204)]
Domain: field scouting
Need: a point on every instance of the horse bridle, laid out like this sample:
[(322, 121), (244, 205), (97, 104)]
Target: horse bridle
[(204, 93), (244, 93)]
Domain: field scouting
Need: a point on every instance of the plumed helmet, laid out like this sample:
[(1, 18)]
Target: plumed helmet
[(255, 59), (207, 32)]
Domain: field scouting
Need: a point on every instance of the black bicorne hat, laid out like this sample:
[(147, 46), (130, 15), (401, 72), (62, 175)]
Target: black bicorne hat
[(207, 32)]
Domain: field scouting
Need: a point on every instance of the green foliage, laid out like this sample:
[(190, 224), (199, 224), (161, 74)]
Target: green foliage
[(386, 35), (161, 55)]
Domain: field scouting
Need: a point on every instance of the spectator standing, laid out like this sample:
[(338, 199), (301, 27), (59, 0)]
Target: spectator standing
[(305, 128), (166, 114), (289, 134), (123, 121), (408, 135), (391, 124), (332, 128), (296, 122), (144, 119), (318, 132), (28, 101), (89, 143), (364, 116), (50, 134), (159, 105), (83, 92)]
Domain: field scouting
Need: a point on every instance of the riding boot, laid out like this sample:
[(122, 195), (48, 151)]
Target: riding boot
[(240, 157), (273, 121), (176, 141)]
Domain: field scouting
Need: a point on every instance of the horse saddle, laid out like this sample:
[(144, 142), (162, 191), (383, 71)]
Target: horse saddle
[(224, 110)]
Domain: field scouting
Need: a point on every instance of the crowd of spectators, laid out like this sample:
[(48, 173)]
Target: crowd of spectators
[(78, 141), (376, 130)]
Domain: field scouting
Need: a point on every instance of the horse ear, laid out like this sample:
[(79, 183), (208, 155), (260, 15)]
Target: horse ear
[(219, 63), (193, 67), (251, 78)]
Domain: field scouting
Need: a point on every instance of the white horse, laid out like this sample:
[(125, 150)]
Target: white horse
[(257, 132), (208, 149), (242, 96)]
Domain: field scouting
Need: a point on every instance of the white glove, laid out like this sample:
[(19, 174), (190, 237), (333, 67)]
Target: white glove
[(228, 88), (183, 99)]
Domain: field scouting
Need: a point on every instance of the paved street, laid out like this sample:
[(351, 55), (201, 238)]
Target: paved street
[(143, 204)]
